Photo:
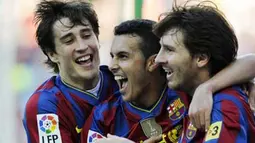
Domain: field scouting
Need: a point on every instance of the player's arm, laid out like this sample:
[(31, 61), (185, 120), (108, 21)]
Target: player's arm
[(228, 123), (41, 121), (93, 127), (239, 71)]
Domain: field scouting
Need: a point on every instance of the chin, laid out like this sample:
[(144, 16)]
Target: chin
[(171, 85), (126, 98), (90, 75)]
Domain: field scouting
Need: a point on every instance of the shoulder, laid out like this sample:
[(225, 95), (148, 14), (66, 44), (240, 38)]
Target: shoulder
[(107, 107), (105, 70), (109, 82), (233, 94), (45, 98), (174, 94), (230, 103)]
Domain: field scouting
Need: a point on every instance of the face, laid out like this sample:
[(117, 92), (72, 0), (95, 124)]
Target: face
[(176, 61), (128, 66), (76, 51)]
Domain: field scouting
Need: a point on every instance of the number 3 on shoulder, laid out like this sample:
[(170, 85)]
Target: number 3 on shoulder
[(214, 131)]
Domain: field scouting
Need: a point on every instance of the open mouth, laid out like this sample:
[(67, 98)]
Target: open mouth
[(84, 60), (122, 81)]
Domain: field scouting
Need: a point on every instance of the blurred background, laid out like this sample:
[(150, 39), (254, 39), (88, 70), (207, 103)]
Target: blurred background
[(22, 68)]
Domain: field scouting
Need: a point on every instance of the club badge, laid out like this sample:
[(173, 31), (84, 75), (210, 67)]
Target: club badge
[(176, 109)]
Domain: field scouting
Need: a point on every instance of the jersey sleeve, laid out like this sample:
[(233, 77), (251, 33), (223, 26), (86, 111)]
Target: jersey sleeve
[(93, 128), (227, 121), (42, 121)]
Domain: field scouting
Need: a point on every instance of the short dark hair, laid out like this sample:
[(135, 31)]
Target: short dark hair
[(205, 31), (143, 28), (48, 12)]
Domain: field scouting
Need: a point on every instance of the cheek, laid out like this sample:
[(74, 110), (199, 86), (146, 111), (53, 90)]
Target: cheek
[(93, 43), (139, 63), (136, 70)]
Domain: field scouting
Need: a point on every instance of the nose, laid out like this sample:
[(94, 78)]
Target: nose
[(81, 46), (160, 58), (113, 66)]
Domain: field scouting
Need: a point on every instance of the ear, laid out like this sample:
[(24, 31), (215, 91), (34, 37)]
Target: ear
[(150, 63), (53, 57), (202, 60)]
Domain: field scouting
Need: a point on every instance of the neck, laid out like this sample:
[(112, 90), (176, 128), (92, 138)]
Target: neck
[(151, 93), (81, 83), (202, 77)]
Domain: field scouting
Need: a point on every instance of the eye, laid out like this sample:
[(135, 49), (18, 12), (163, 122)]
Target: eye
[(168, 49), (111, 55), (68, 41), (86, 36), (123, 56), (86, 33)]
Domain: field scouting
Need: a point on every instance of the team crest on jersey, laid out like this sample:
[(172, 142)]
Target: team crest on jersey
[(93, 136), (191, 131), (48, 128), (176, 109)]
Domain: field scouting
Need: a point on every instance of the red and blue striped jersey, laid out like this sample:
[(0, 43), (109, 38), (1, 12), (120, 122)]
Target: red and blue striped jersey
[(124, 119), (56, 112), (232, 120)]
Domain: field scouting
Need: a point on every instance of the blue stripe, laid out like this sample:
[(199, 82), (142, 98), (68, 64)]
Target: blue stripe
[(121, 124), (242, 135), (26, 128), (47, 103), (78, 114), (101, 108), (98, 115)]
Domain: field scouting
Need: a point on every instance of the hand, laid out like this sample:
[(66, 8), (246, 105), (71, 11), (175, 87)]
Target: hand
[(201, 106), (113, 139), (252, 96), (153, 139)]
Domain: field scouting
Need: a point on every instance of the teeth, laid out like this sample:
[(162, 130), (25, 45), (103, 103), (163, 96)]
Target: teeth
[(82, 59), (167, 71), (118, 77)]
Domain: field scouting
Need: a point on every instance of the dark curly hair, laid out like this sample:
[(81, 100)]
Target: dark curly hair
[(48, 12)]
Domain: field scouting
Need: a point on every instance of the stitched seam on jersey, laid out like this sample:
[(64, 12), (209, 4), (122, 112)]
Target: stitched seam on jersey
[(148, 111), (88, 93)]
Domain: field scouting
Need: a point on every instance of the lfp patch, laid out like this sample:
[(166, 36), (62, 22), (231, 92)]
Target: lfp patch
[(48, 128), (176, 109), (93, 136)]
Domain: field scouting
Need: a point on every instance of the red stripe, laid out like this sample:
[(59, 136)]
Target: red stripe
[(231, 123), (66, 119), (31, 120), (86, 127)]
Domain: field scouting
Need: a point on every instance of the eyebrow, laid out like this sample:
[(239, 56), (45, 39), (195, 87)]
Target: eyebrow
[(85, 29), (119, 53), (65, 36), (168, 46)]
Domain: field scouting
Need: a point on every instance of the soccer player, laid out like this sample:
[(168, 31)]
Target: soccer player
[(132, 115), (68, 35), (138, 111), (196, 43)]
